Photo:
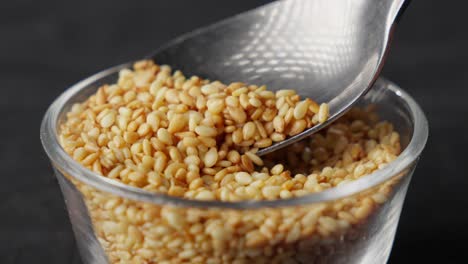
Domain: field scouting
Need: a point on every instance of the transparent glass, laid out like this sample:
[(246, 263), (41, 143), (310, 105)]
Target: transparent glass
[(351, 223)]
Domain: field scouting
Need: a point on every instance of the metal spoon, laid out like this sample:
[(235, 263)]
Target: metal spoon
[(328, 50)]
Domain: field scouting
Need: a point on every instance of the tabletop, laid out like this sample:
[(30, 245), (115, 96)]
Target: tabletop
[(48, 45)]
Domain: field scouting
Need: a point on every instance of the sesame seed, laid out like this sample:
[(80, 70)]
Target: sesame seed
[(301, 109), (108, 120), (206, 131), (323, 113), (243, 178)]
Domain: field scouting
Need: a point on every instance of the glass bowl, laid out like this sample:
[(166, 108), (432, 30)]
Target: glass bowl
[(351, 223)]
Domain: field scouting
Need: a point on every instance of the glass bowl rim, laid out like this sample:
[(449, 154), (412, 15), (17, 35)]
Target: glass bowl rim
[(64, 163)]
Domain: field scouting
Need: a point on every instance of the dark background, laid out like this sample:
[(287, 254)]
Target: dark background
[(45, 46)]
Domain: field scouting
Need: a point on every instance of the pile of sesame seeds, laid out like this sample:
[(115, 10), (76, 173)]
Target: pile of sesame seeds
[(197, 139), (163, 132)]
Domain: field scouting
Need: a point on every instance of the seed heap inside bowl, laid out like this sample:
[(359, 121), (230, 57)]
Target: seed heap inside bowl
[(197, 139), (187, 137)]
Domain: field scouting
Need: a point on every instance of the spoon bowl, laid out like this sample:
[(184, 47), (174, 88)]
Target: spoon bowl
[(329, 50)]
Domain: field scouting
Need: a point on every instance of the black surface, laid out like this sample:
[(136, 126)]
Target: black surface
[(45, 46)]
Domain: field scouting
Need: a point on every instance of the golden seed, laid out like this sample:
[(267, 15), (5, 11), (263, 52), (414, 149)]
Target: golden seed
[(209, 89), (232, 101), (244, 101), (248, 131), (277, 137), (195, 184), (205, 195), (240, 91), (297, 127), (263, 143), (207, 141), (243, 178), (278, 124), (247, 163), (143, 130), (277, 169), (108, 120), (190, 141), (254, 158), (255, 102), (90, 159), (271, 192), (177, 123), (206, 131), (237, 136), (136, 176), (211, 157), (164, 136), (237, 114), (285, 194), (79, 154), (323, 113), (301, 110), (233, 156)]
